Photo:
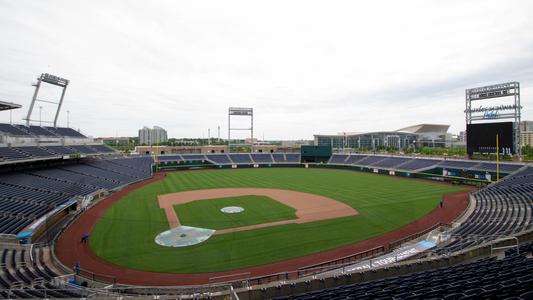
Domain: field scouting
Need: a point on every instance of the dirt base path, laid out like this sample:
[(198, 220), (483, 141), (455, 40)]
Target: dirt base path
[(309, 207), (69, 249)]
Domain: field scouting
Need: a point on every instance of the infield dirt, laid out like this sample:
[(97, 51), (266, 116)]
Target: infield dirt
[(309, 207)]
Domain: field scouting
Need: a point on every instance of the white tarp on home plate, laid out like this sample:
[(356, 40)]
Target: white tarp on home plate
[(183, 236)]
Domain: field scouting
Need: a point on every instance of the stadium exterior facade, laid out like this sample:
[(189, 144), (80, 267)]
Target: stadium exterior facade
[(429, 135)]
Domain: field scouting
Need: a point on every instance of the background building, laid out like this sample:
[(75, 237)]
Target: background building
[(526, 133), (526, 126), (152, 136), (462, 136), (430, 135)]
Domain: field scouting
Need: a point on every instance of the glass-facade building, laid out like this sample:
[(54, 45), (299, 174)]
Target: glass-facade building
[(428, 135)]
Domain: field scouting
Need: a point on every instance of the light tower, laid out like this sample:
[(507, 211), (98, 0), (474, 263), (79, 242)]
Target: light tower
[(53, 80), (241, 112)]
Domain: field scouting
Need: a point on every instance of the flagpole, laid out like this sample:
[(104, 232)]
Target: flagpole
[(497, 158)]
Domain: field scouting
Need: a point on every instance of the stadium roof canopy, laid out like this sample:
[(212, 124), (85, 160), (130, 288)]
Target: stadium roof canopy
[(419, 129), (9, 105), (423, 128)]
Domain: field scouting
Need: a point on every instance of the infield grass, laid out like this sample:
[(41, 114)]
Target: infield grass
[(257, 210), (125, 234)]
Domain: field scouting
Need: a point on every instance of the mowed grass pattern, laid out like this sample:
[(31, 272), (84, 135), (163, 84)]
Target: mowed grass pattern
[(257, 210), (125, 234)]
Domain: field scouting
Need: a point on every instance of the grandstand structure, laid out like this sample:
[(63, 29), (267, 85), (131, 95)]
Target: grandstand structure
[(32, 143)]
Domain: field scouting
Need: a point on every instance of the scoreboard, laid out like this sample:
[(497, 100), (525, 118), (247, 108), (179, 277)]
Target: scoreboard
[(481, 138)]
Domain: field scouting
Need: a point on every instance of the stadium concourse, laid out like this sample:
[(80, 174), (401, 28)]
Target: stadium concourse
[(46, 188)]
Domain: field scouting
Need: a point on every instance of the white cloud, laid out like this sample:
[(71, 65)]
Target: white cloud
[(306, 67)]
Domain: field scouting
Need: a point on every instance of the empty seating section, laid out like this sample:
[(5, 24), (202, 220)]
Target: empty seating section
[(63, 131), (392, 162), (12, 154), (34, 151), (338, 158), (292, 157), (27, 195), (506, 168), (195, 157), (42, 183), (140, 163), (36, 130), (240, 158), (457, 164), (414, 163), (22, 130), (11, 130), (137, 168), (73, 178), (11, 224), (92, 170), (369, 160), (219, 158), (50, 198), (503, 208), (262, 157), (486, 278), (419, 164), (172, 157), (279, 157), (354, 159), (24, 277), (59, 150), (83, 149), (102, 148), (20, 205)]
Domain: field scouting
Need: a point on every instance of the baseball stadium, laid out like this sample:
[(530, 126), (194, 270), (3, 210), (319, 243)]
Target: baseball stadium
[(361, 190), (82, 220)]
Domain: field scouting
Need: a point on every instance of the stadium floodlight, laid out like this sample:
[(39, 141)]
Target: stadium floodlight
[(241, 112), (53, 80)]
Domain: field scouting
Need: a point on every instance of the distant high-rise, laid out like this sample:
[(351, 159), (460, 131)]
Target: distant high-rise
[(462, 136), (526, 126), (152, 136), (526, 133)]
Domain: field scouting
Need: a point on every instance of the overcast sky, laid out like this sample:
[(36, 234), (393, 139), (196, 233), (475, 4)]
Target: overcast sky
[(305, 67)]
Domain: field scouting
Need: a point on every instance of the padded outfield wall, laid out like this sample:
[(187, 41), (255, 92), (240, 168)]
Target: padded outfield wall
[(469, 177)]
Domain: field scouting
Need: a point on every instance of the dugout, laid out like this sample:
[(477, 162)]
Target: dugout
[(315, 154)]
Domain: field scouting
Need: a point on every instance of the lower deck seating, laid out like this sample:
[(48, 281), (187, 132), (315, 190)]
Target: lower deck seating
[(503, 208), (29, 276), (219, 158), (408, 163), (262, 157), (12, 154), (487, 278), (28, 195)]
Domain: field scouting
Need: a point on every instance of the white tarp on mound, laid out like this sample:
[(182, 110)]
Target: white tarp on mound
[(183, 236), (232, 209)]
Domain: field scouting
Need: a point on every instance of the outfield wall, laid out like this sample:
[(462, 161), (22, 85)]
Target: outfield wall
[(433, 174)]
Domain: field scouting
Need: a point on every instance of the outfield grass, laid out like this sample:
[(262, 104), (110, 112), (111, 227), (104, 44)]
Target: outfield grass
[(257, 210), (125, 234)]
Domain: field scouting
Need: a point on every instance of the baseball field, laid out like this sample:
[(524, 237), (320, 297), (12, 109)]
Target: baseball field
[(125, 234)]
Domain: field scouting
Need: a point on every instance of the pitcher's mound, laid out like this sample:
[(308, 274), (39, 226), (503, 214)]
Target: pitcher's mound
[(183, 236)]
